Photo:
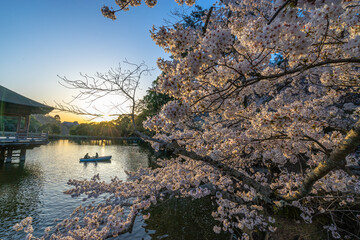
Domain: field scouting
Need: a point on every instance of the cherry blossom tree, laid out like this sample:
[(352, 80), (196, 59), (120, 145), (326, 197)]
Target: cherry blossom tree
[(265, 114)]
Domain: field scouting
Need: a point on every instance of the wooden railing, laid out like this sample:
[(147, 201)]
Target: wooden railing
[(13, 137)]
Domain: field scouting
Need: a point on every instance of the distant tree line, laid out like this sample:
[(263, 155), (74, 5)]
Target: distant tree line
[(115, 128)]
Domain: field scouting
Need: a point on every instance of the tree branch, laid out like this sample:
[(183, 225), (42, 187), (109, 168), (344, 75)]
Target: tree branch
[(300, 69), (335, 160), (279, 10), (265, 191), (207, 20)]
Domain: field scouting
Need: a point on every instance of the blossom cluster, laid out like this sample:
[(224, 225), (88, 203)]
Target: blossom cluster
[(125, 4), (265, 122), (256, 115)]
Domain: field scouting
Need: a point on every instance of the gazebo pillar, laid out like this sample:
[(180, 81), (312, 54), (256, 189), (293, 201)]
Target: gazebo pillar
[(27, 123), (23, 126)]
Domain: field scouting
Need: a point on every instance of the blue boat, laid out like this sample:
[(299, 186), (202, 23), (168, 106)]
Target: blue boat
[(95, 159)]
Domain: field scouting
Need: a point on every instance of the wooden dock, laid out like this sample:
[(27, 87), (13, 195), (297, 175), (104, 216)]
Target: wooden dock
[(14, 145)]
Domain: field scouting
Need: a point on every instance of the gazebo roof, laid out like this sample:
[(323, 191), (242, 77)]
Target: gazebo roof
[(12, 103)]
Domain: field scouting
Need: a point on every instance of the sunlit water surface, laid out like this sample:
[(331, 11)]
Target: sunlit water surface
[(36, 187)]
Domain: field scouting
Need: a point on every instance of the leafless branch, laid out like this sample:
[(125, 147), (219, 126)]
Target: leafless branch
[(118, 81)]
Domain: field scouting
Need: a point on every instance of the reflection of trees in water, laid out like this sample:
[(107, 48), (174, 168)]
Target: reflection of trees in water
[(101, 142), (133, 159), (183, 219), (20, 187), (146, 149)]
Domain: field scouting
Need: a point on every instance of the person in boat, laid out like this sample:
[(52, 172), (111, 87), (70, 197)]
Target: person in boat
[(96, 155), (86, 155)]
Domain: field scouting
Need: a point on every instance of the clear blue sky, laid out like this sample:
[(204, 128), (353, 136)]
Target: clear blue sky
[(41, 39)]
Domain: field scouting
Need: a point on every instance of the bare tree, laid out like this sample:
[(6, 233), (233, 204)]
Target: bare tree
[(120, 81)]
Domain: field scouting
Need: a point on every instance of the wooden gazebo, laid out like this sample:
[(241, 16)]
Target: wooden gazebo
[(16, 105)]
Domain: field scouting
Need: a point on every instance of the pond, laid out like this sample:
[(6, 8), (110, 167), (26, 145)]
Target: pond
[(35, 188)]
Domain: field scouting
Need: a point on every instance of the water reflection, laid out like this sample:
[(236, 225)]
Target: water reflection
[(95, 163), (20, 190), (35, 188), (183, 219)]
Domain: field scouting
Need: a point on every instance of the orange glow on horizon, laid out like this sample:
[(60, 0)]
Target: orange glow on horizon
[(70, 117)]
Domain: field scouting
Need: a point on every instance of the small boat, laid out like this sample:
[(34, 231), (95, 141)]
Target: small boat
[(95, 159)]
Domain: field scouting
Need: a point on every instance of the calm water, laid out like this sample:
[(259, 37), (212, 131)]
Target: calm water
[(36, 187)]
